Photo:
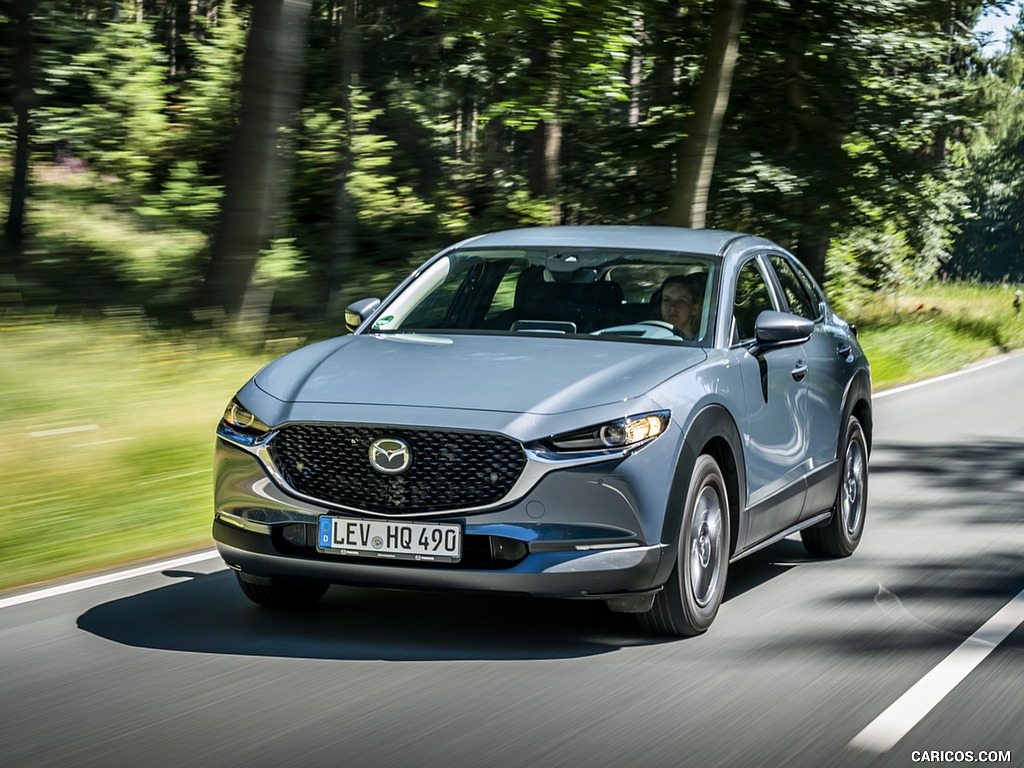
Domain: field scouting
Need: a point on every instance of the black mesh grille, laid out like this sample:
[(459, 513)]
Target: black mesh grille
[(450, 470)]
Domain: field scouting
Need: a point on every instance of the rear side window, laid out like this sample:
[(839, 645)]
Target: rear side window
[(801, 301)]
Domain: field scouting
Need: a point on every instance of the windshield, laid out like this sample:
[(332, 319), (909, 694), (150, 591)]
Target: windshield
[(624, 295)]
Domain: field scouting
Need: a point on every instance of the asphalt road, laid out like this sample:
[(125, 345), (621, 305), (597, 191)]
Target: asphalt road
[(176, 668)]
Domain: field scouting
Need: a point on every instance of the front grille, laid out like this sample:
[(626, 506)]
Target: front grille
[(450, 470)]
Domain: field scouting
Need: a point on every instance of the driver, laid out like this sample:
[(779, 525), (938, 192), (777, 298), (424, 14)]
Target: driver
[(679, 306)]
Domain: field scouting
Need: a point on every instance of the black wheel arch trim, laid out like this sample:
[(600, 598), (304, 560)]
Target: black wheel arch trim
[(713, 426), (857, 394)]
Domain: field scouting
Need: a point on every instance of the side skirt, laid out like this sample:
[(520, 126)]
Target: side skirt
[(819, 518)]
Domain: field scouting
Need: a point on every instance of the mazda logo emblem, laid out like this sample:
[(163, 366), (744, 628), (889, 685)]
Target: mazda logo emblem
[(390, 455)]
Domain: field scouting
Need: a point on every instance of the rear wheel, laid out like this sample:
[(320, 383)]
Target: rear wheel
[(840, 536), (283, 593), (694, 590)]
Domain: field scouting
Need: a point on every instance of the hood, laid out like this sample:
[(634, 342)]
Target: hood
[(486, 373)]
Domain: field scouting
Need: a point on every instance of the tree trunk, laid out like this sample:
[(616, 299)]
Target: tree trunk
[(636, 62), (815, 226), (812, 250), (697, 151), (344, 220), (23, 101), (663, 22), (545, 150), (546, 137), (254, 163)]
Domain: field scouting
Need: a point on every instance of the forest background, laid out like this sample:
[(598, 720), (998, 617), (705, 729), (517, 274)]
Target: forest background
[(284, 157), (193, 186)]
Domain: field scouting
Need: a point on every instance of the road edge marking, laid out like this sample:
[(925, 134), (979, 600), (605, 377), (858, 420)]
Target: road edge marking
[(885, 731), (943, 377), (109, 578)]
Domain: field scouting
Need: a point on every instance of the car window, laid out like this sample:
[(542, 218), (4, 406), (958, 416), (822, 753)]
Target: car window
[(505, 296), (608, 293), (752, 298), (813, 289), (795, 290), (471, 289), (432, 311), (640, 282)]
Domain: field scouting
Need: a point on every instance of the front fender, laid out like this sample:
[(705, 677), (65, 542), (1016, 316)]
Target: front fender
[(712, 431)]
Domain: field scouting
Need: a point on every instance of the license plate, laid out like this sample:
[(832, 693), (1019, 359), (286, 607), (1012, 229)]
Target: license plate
[(390, 540)]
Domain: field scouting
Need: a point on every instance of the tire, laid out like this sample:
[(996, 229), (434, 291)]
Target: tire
[(693, 593), (283, 593), (840, 536)]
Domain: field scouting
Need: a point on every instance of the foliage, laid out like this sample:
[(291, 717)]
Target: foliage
[(205, 107), (106, 102), (876, 128), (866, 109), (991, 245)]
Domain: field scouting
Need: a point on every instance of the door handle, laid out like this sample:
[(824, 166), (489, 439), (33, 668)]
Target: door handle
[(800, 371), (844, 351)]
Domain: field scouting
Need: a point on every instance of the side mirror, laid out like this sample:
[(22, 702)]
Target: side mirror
[(359, 312), (779, 329)]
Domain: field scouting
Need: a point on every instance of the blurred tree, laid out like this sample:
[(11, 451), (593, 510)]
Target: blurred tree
[(699, 148), (846, 115), (846, 136), (349, 65), (256, 175), (205, 106), (991, 245), (23, 100)]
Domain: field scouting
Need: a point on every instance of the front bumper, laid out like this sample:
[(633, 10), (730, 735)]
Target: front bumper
[(578, 533), (604, 574)]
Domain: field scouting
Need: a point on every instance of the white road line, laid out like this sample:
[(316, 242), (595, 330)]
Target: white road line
[(944, 377), (110, 578), (174, 477), (906, 712), (63, 430)]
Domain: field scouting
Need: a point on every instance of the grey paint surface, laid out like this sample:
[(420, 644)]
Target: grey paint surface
[(475, 373)]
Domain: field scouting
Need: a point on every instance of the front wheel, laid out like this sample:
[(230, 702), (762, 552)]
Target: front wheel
[(840, 536), (283, 593), (694, 590)]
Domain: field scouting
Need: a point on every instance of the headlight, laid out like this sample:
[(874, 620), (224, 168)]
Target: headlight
[(622, 433), (241, 425)]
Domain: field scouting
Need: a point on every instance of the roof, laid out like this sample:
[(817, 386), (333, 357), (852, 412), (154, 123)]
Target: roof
[(703, 241)]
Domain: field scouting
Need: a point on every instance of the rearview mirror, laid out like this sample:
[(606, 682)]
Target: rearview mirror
[(359, 312), (779, 329)]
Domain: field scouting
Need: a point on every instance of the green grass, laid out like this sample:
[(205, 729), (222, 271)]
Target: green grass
[(110, 425), (936, 329), (110, 438)]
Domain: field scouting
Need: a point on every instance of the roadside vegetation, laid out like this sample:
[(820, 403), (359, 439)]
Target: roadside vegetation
[(936, 328), (110, 442)]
